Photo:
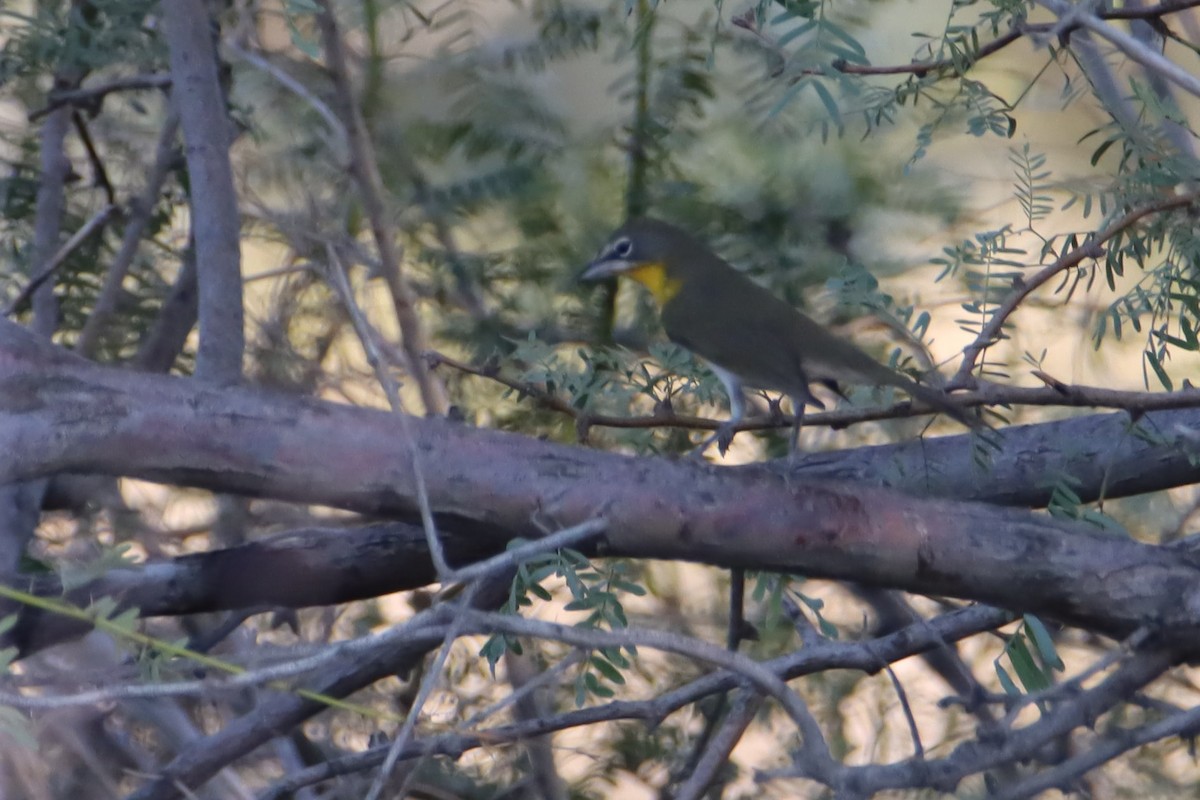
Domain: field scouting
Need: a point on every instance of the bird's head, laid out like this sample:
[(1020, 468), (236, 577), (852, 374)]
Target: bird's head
[(651, 252)]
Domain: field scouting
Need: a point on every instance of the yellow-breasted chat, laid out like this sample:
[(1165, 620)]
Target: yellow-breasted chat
[(748, 336)]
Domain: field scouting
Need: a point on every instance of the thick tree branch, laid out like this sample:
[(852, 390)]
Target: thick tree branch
[(216, 226), (298, 569), (60, 414)]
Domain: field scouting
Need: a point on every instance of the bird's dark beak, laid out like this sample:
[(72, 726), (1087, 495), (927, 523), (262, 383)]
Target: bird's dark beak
[(605, 268)]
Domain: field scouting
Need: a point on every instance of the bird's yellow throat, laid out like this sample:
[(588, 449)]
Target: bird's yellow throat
[(653, 275)]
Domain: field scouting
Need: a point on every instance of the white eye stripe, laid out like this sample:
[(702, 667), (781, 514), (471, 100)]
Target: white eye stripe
[(620, 249)]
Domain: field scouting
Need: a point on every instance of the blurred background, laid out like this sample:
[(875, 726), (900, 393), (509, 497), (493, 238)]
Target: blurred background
[(895, 206)]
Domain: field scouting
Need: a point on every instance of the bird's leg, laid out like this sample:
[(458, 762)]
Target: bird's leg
[(800, 399), (737, 413), (797, 423), (724, 434)]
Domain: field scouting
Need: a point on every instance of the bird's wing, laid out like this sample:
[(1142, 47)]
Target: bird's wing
[(780, 349), (745, 331)]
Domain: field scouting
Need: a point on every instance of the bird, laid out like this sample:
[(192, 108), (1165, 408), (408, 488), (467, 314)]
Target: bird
[(748, 337)]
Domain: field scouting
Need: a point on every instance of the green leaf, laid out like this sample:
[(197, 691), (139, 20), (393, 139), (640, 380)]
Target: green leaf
[(1044, 642), (829, 103), (1006, 682), (850, 42), (795, 32), (583, 603), (1156, 365), (1031, 676), (637, 590), (787, 98), (608, 670), (595, 686)]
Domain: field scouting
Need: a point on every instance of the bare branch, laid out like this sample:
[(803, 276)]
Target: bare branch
[(742, 708), (1080, 14), (814, 750), (986, 393), (85, 232), (922, 68), (1112, 743), (569, 537), (429, 682), (364, 167), (91, 96), (372, 344), (1091, 248), (394, 651), (822, 656), (135, 225), (972, 757), (216, 226), (89, 418)]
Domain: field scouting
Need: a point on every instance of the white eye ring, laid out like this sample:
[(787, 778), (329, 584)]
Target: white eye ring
[(622, 248)]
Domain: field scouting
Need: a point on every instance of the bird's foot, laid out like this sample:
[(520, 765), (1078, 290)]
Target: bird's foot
[(775, 409), (724, 436)]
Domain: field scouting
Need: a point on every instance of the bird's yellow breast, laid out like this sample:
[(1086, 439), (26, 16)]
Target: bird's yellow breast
[(653, 275)]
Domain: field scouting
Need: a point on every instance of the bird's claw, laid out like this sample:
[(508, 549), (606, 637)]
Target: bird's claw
[(724, 437)]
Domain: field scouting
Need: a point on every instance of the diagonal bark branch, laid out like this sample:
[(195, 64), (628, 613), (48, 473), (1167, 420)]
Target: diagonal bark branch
[(61, 414)]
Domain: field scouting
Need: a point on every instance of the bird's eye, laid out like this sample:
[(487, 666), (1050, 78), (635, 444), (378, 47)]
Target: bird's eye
[(623, 248)]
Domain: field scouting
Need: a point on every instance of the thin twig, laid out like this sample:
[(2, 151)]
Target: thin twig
[(364, 168), (981, 755), (91, 95), (98, 220), (1054, 393), (921, 68), (512, 558), (742, 708), (1092, 248), (1120, 740), (99, 172), (826, 655), (370, 341), (820, 761), (918, 748), (1074, 685), (1079, 14), (432, 676), (138, 218), (300, 90), (544, 678)]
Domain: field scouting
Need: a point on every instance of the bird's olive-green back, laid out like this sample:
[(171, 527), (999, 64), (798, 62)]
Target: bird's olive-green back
[(723, 316)]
